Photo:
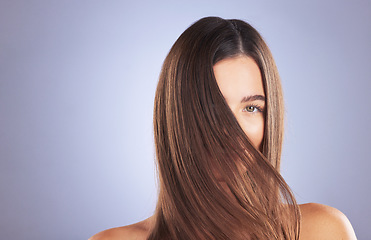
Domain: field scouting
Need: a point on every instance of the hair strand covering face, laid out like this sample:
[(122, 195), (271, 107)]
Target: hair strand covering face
[(195, 132)]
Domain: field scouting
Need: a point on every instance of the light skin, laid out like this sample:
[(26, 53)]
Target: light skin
[(238, 78)]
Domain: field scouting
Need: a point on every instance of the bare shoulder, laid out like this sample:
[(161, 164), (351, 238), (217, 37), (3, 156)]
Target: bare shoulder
[(324, 222), (136, 231)]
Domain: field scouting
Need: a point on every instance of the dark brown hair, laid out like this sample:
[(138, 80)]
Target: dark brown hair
[(196, 132)]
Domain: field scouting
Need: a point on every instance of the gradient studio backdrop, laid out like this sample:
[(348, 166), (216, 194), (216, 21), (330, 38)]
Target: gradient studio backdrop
[(77, 82)]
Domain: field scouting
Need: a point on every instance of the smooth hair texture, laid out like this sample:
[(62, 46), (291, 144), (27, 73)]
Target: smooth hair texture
[(195, 132)]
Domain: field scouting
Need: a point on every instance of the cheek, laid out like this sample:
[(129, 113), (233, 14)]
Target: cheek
[(254, 129)]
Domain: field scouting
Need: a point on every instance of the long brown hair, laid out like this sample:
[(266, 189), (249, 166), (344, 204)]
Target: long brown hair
[(195, 132)]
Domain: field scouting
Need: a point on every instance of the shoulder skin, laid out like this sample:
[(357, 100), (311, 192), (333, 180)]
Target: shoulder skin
[(324, 222), (319, 222), (137, 231)]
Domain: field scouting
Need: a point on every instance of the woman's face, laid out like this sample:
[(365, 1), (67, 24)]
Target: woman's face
[(240, 82)]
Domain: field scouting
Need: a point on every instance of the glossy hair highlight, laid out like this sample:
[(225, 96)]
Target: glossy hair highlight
[(195, 132)]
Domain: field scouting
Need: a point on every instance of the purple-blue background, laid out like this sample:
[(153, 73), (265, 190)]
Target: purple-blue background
[(77, 82)]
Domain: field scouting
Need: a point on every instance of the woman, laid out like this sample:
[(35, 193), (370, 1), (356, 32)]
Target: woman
[(218, 128)]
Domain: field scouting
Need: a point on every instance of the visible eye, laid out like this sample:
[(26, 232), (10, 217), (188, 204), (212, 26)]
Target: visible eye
[(252, 109)]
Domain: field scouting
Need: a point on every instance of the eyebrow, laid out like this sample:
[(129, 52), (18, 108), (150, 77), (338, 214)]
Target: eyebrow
[(253, 98)]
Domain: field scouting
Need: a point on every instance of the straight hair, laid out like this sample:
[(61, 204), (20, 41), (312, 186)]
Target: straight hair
[(195, 132)]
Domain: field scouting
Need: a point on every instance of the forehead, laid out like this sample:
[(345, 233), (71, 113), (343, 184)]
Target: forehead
[(238, 77)]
